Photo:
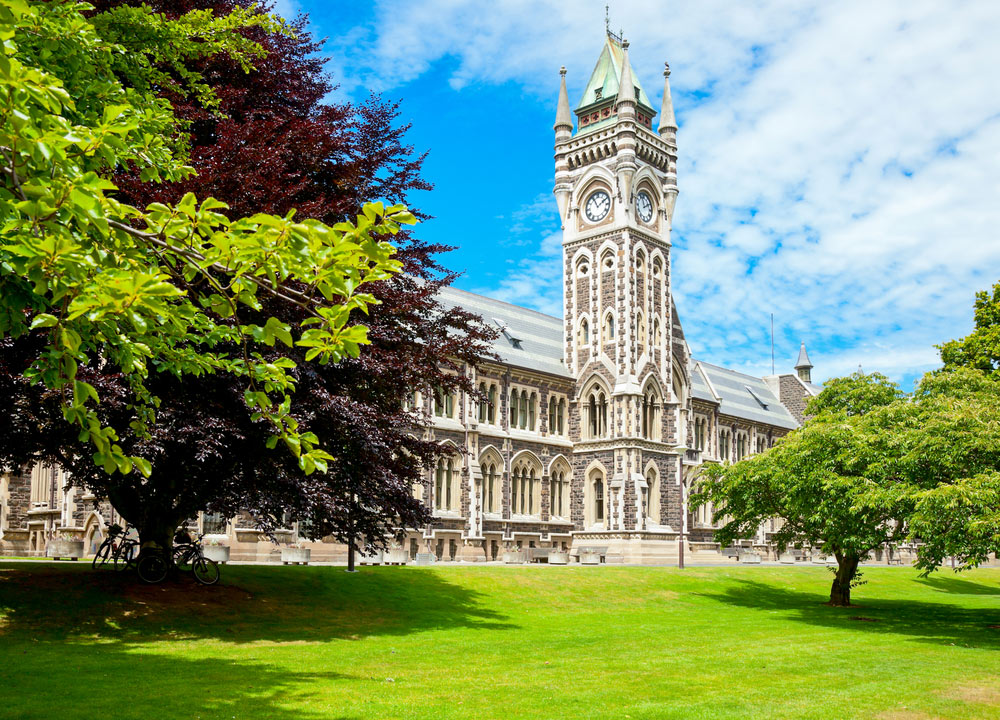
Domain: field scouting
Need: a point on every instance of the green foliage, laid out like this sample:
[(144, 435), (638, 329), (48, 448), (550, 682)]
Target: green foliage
[(960, 519), (981, 349), (855, 394), (161, 288), (818, 480)]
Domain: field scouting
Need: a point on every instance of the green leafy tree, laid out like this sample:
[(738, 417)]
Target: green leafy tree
[(981, 348), (818, 480), (855, 394), (955, 454), (164, 288)]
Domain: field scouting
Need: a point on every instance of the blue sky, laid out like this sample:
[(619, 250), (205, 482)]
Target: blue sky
[(838, 167)]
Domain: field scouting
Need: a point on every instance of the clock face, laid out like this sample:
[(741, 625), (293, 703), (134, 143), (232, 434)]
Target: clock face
[(598, 205), (644, 206)]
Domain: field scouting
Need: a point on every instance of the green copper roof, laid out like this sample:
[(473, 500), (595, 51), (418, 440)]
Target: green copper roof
[(605, 78)]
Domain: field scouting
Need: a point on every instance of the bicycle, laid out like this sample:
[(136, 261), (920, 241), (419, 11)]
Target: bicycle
[(120, 553), (153, 567)]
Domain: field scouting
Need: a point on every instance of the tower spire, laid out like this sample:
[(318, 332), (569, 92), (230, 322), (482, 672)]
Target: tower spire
[(668, 123), (564, 119), (626, 86), (803, 366)]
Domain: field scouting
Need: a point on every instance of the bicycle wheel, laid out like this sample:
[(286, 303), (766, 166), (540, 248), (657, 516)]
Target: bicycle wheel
[(152, 568), (184, 557), (102, 554), (206, 571), (125, 555)]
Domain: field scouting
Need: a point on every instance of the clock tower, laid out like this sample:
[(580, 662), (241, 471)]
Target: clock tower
[(615, 186)]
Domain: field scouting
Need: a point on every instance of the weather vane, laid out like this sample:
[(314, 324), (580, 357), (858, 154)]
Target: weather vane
[(607, 25)]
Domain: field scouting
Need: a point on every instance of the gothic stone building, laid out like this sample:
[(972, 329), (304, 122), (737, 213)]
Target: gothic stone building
[(595, 423)]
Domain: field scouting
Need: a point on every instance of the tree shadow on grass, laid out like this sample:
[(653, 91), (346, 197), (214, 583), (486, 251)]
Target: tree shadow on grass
[(44, 680), (941, 623), (251, 603), (958, 586)]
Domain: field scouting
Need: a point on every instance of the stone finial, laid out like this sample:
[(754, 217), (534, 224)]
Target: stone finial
[(626, 86), (668, 123), (564, 118)]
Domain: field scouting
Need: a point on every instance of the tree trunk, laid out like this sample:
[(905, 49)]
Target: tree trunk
[(155, 524), (350, 556), (840, 591)]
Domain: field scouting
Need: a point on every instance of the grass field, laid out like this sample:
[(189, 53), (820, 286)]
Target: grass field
[(498, 642)]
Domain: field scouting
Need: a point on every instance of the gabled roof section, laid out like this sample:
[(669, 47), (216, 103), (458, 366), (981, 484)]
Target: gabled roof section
[(528, 339), (603, 84), (739, 395)]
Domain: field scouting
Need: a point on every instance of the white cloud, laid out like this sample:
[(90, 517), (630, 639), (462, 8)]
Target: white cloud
[(847, 152)]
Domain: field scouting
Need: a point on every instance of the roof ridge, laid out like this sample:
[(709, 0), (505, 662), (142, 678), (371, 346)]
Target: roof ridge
[(723, 367)]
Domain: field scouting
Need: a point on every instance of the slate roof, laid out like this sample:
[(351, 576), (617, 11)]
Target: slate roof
[(738, 394), (534, 341), (539, 337)]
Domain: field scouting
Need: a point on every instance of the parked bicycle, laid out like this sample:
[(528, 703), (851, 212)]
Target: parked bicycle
[(187, 556), (118, 548)]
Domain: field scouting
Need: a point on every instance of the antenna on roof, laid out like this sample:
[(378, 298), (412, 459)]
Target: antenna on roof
[(772, 343)]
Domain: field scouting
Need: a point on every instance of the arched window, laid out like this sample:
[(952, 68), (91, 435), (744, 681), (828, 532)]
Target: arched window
[(552, 415), (490, 487), (531, 491), (532, 410), (602, 403), (444, 403), (656, 332), (640, 332), (445, 491), (651, 413), (592, 415), (483, 402), (559, 492), (522, 415), (653, 496), (561, 415), (640, 263), (582, 268), (584, 332), (598, 499), (609, 328), (439, 485), (657, 268), (525, 488), (492, 405)]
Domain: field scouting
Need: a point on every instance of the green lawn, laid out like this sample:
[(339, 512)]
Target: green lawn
[(497, 642)]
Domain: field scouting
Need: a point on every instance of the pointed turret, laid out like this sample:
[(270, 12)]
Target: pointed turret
[(564, 131), (564, 118), (668, 123), (626, 85), (803, 367)]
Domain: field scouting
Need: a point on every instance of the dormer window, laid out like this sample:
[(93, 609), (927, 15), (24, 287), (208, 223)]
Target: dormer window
[(598, 93)]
